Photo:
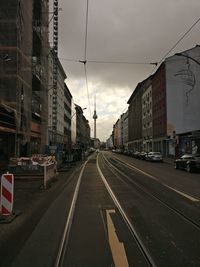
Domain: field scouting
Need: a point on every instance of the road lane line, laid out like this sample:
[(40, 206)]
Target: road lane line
[(182, 194), (138, 170), (156, 179)]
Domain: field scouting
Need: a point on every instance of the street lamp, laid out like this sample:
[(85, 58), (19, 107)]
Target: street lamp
[(183, 55)]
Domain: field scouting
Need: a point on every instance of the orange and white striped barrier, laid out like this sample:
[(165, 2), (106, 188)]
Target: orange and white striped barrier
[(7, 192)]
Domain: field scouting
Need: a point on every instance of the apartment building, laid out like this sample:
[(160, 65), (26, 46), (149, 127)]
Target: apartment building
[(116, 134), (39, 97), (182, 102), (164, 109), (147, 119), (82, 130), (124, 130), (135, 142)]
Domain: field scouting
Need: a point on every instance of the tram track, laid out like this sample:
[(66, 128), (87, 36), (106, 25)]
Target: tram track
[(130, 226), (63, 244), (132, 182), (63, 247), (114, 181)]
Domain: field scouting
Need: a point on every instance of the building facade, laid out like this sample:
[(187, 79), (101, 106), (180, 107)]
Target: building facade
[(159, 110), (23, 76), (82, 130), (124, 130), (164, 109), (39, 97), (135, 142), (147, 118), (182, 102)]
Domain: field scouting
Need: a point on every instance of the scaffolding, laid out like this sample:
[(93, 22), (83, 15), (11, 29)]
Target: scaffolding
[(23, 75), (55, 69)]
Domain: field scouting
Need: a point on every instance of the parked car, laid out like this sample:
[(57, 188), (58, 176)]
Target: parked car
[(142, 155), (188, 162), (135, 154), (154, 156)]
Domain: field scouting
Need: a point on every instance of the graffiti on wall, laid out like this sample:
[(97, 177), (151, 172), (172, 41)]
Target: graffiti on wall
[(188, 78)]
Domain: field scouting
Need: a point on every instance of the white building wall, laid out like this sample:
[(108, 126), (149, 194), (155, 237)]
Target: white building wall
[(183, 92)]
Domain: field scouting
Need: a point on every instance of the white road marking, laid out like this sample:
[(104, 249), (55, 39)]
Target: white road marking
[(138, 170), (156, 179), (183, 194)]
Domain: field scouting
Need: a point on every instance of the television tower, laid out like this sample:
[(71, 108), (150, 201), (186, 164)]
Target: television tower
[(95, 117)]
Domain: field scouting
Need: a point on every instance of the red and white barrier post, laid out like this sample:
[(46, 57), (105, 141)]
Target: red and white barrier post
[(7, 192)]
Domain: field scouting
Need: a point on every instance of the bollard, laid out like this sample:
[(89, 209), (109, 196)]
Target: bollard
[(7, 192)]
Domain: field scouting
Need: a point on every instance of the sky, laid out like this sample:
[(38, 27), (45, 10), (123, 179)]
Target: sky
[(124, 32)]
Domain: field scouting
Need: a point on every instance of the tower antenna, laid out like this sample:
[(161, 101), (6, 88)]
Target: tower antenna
[(95, 117)]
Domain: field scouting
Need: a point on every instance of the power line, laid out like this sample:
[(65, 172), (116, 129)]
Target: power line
[(85, 69), (175, 45), (86, 31), (109, 62), (85, 57)]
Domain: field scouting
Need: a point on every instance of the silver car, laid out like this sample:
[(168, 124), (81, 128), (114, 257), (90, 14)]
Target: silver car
[(154, 156)]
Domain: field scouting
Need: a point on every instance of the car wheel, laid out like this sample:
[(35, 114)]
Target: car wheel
[(188, 168)]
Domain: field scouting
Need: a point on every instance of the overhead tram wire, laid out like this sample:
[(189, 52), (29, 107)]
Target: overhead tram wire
[(109, 62), (175, 45), (86, 33), (85, 58)]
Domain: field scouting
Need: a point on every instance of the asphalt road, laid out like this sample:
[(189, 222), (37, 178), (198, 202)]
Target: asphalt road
[(119, 211), (162, 204)]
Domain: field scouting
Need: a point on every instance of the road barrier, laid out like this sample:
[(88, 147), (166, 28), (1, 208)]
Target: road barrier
[(50, 172), (7, 192)]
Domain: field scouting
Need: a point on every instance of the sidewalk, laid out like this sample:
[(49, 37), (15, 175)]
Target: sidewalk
[(30, 203)]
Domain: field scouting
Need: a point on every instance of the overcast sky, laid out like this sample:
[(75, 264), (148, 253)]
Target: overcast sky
[(136, 31)]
